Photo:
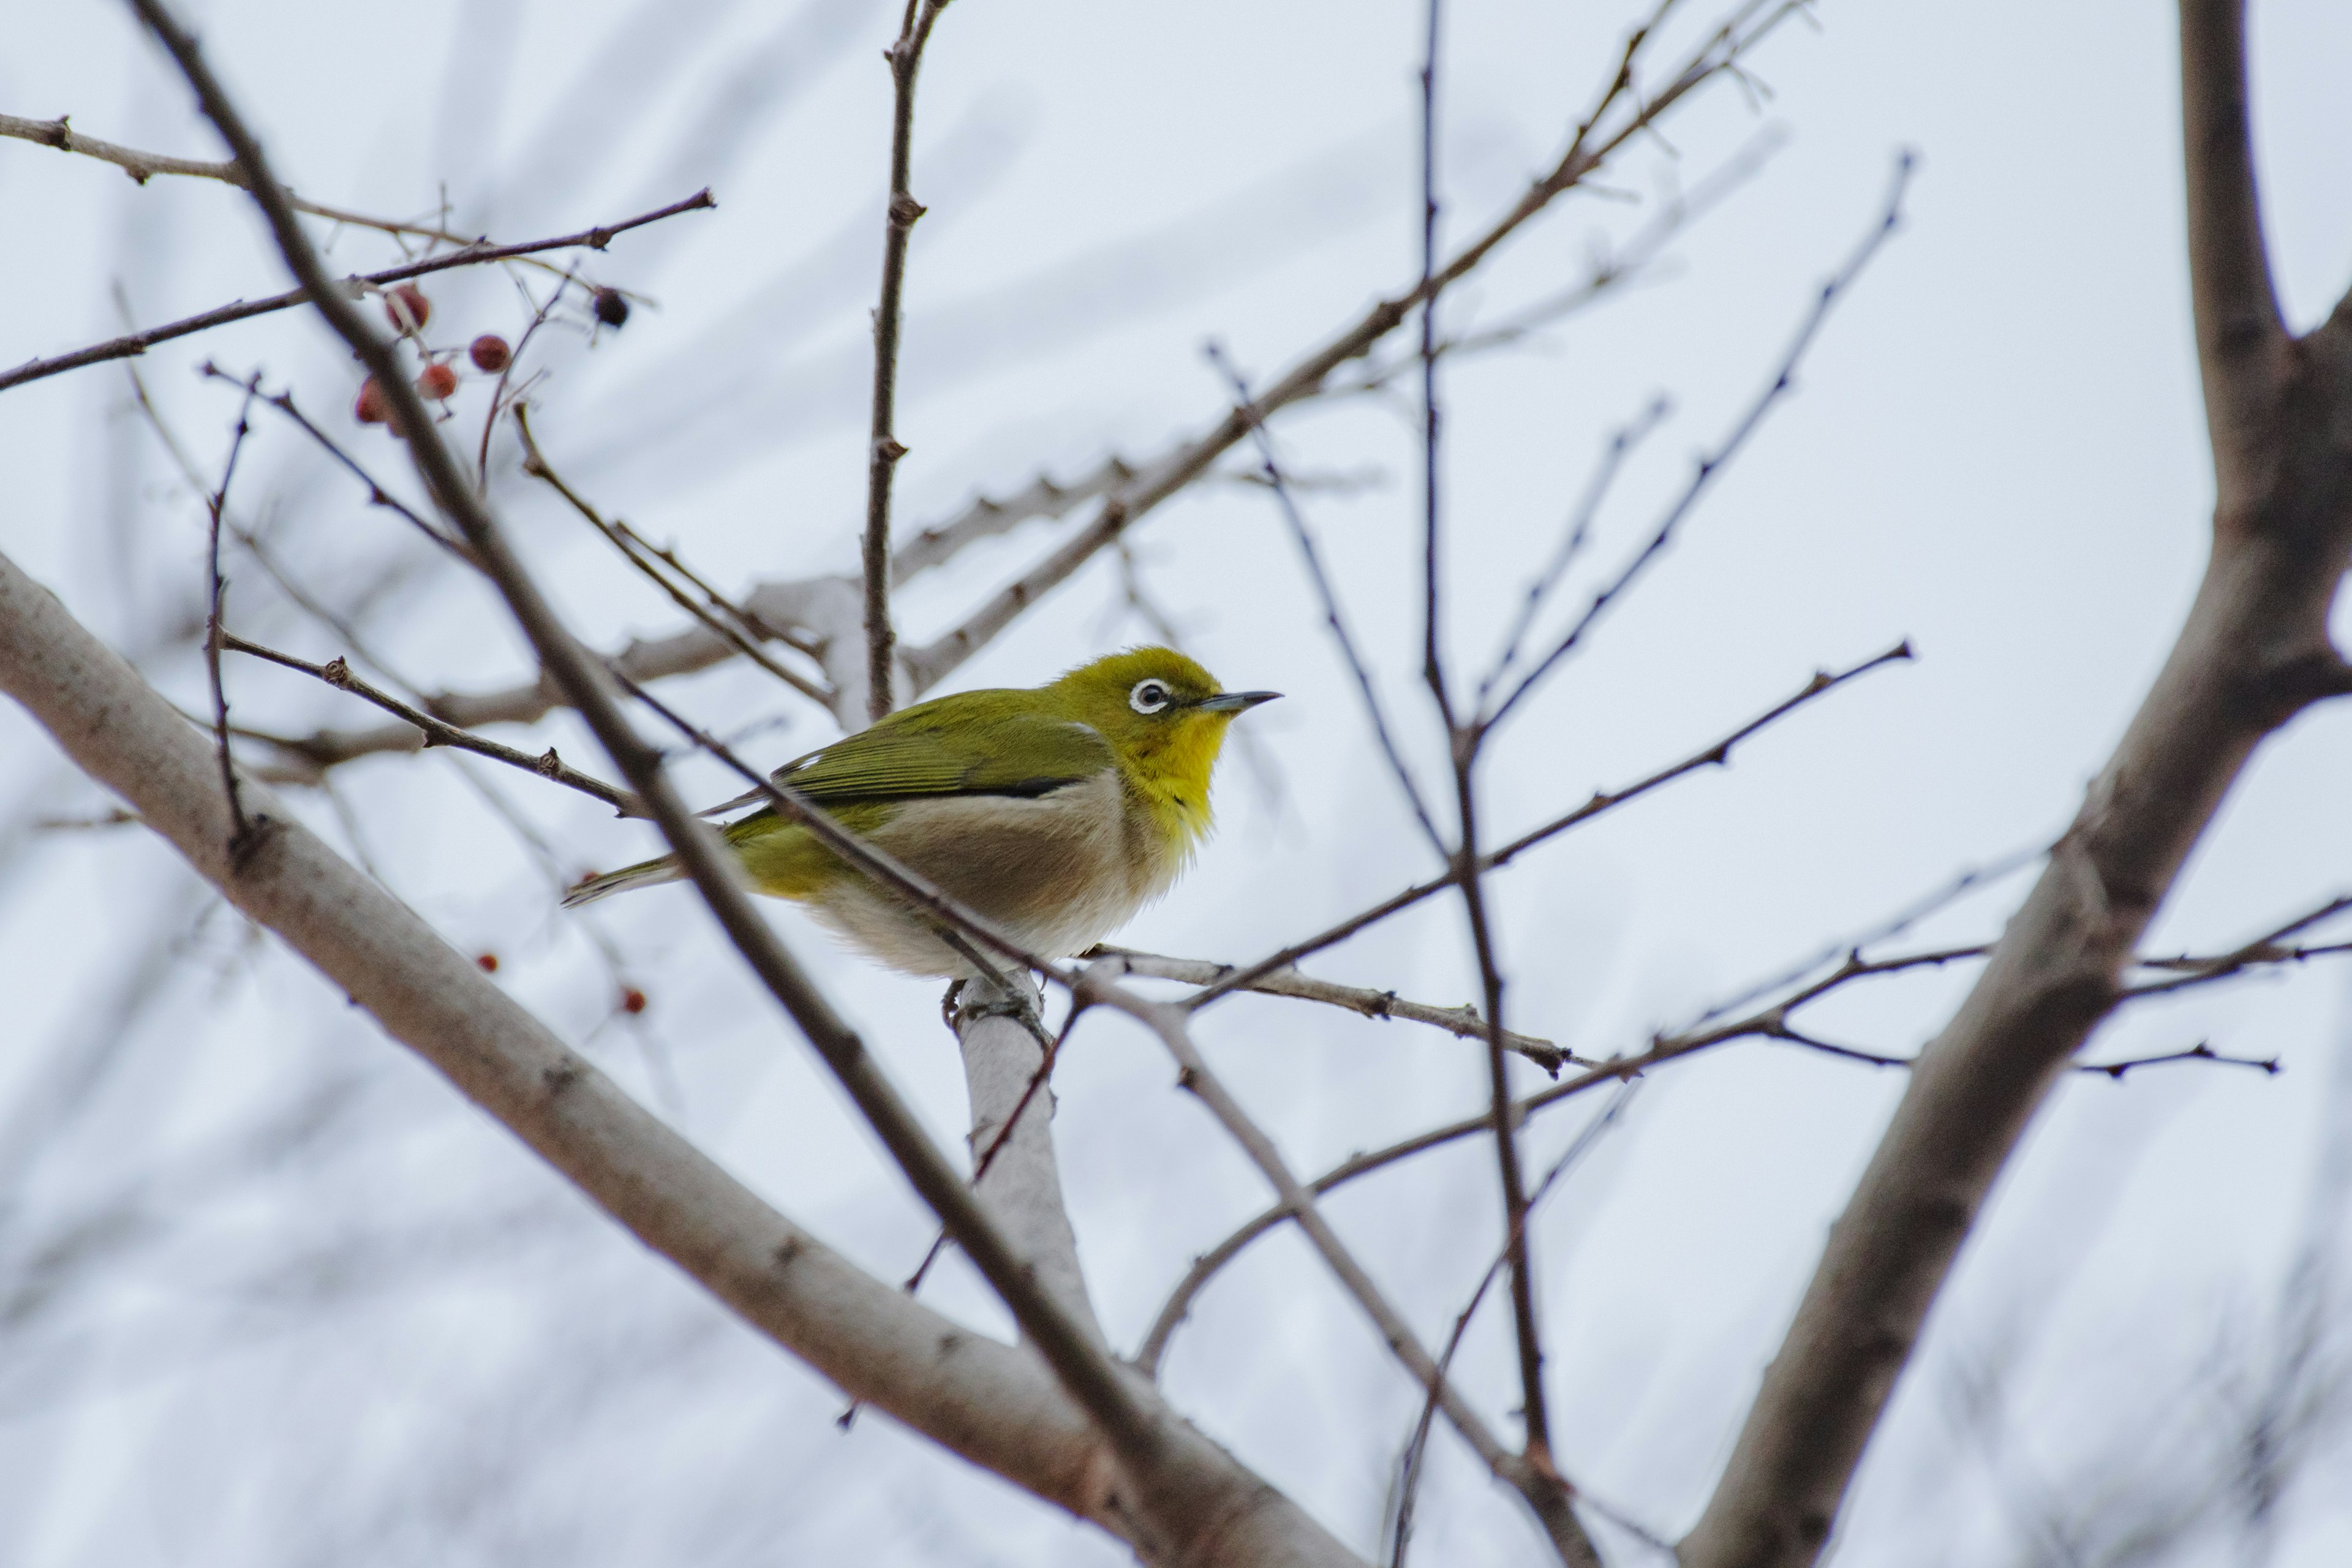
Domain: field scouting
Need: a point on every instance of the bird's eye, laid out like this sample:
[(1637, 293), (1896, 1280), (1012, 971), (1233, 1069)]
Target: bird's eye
[(1148, 696)]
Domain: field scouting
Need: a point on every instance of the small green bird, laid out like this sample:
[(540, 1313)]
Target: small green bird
[(1054, 814)]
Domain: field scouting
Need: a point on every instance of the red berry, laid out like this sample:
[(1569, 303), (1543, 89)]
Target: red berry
[(489, 353), (612, 308), (487, 963), (438, 382), (632, 1000), (407, 308), (373, 406)]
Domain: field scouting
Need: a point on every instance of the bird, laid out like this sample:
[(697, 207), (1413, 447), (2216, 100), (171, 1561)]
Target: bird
[(1054, 813)]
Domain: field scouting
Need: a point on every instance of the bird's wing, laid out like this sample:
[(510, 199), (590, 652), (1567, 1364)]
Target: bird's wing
[(953, 746)]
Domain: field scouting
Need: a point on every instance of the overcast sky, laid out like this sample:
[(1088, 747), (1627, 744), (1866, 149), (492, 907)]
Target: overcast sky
[(1995, 449)]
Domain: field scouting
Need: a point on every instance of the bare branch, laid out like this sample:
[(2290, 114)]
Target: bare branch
[(1717, 755), (2200, 1052), (1572, 543), (433, 999), (338, 674), (1323, 592), (475, 255), (1194, 1075), (2241, 666), (1014, 1172), (1410, 1468), (241, 831), (143, 166), (1589, 148), (1713, 463), (726, 621), (1462, 1022), (884, 449), (2241, 341), (812, 613), (1137, 1431)]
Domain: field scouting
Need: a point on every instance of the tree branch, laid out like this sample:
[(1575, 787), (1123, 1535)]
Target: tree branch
[(1166, 1498), (1193, 1075), (473, 254), (337, 673), (2283, 530), (884, 449), (1464, 1022), (984, 1400), (1603, 800), (1591, 146), (2241, 340), (1013, 1170)]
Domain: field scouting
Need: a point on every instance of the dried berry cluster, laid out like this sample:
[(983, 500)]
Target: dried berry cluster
[(408, 308)]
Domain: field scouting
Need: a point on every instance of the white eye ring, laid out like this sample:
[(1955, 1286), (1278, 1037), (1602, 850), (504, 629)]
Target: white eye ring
[(1148, 696)]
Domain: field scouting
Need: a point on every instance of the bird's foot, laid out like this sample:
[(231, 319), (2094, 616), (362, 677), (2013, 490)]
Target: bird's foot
[(1001, 1000)]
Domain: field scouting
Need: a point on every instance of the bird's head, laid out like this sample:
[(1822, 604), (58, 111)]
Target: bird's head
[(1163, 714)]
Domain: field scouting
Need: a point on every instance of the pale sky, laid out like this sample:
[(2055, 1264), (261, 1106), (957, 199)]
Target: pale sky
[(1995, 449)]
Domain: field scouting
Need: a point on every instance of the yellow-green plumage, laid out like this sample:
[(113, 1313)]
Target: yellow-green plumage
[(1055, 813)]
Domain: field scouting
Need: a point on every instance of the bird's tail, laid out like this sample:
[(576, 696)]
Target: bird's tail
[(643, 874)]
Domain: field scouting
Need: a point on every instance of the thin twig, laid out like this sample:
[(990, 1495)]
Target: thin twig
[(1621, 446), (1767, 1023), (143, 166), (377, 495), (241, 839), (723, 619), (1410, 1466), (1712, 464), (1589, 148), (132, 343), (1324, 591), (337, 673), (1714, 755), (1193, 1075), (1131, 1427), (884, 449), (1462, 1022), (1433, 665)]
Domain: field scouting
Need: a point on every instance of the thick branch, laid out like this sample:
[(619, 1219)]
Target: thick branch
[(996, 1407), (1012, 1128), (2240, 340), (1167, 1499), (2241, 666)]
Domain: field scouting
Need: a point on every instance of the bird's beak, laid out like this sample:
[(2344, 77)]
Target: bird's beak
[(1235, 701)]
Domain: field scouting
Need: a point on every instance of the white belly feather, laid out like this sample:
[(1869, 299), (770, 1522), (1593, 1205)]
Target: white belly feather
[(1056, 873)]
